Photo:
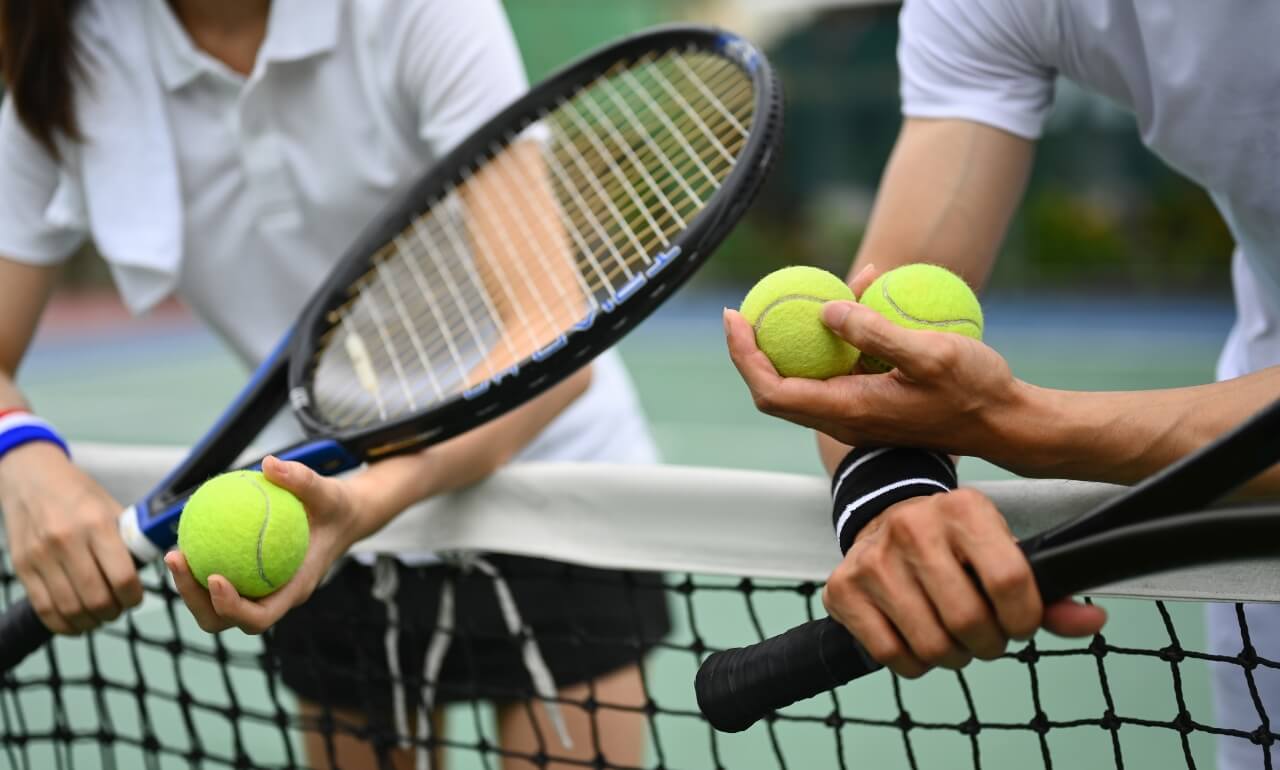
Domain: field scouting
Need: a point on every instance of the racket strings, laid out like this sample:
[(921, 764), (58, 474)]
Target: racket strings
[(606, 276), (466, 317), (546, 230)]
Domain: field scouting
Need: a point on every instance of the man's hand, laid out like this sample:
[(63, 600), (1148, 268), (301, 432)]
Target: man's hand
[(902, 589), (334, 527), (948, 392), (65, 542)]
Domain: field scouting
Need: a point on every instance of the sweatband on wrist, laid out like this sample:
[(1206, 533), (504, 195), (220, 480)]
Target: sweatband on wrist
[(18, 427), (870, 479)]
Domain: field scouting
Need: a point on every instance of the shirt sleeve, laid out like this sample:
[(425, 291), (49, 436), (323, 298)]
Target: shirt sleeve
[(458, 65), (981, 60), (29, 182)]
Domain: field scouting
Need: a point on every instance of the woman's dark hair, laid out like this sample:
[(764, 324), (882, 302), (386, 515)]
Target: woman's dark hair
[(38, 62)]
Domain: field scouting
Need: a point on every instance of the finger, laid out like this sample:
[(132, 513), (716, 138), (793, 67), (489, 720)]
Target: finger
[(117, 565), (878, 637), (1072, 618), (95, 602), (42, 602), (905, 603), (983, 541), (193, 594), (751, 362), (315, 492), (875, 335), (863, 279), (251, 617), (965, 613)]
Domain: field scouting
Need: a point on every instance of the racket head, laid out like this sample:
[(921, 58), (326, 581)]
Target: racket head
[(612, 166)]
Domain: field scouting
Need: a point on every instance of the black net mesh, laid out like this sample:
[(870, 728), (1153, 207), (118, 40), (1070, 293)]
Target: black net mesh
[(153, 691)]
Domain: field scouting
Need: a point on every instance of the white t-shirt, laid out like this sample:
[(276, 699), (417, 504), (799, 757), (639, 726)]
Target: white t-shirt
[(240, 193), (1203, 80)]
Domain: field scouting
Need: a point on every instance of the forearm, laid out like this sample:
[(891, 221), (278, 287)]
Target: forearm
[(1122, 437), (946, 197), (388, 487)]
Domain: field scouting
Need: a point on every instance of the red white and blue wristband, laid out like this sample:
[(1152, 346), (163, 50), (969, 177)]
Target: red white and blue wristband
[(870, 479), (19, 427)]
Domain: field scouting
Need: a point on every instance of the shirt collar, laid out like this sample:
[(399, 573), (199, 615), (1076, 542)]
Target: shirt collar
[(296, 29)]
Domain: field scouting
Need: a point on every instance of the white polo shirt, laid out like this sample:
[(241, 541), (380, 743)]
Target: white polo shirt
[(1202, 78), (240, 193)]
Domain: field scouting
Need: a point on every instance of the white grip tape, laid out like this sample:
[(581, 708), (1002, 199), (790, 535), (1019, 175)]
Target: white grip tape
[(139, 544)]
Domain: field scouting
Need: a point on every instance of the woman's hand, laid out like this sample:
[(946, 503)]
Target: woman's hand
[(335, 526), (65, 541), (948, 392), (903, 592)]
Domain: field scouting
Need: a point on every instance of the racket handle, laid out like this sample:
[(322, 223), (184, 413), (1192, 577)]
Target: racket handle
[(21, 633), (738, 687)]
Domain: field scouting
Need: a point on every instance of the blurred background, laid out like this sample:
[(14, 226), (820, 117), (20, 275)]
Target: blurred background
[(1101, 214)]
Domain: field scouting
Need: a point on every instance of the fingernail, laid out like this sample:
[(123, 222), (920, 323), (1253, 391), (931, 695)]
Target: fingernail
[(834, 313), (724, 317)]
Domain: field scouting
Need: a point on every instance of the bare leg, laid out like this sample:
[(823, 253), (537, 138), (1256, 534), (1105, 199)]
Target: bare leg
[(342, 749), (619, 734)]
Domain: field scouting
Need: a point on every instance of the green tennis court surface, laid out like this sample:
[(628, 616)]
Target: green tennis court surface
[(165, 382)]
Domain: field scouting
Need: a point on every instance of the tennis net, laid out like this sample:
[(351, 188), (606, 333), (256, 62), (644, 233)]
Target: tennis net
[(737, 556)]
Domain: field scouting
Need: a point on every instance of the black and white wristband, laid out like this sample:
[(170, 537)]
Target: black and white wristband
[(870, 479)]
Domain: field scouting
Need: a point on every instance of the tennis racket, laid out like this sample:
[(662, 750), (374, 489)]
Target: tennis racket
[(534, 246), (1144, 530)]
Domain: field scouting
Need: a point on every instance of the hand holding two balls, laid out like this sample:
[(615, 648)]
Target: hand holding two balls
[(917, 328)]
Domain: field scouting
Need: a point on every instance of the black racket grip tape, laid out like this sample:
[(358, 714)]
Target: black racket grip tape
[(738, 687), (21, 633)]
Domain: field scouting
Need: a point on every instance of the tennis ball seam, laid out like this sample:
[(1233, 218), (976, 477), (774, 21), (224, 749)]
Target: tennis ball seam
[(262, 530), (884, 292), (764, 312)]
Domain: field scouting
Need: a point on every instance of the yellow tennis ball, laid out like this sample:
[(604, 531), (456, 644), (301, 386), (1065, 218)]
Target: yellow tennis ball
[(243, 527), (922, 296), (785, 308)]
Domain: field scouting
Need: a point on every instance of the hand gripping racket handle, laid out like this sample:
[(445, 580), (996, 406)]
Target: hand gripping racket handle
[(736, 688), (22, 632)]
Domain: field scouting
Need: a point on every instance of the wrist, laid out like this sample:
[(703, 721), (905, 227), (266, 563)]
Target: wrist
[(24, 434), (28, 460)]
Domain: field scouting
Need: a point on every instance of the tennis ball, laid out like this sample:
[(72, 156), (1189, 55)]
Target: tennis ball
[(243, 527), (785, 308), (922, 296)]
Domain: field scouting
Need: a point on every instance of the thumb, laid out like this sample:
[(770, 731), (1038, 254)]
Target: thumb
[(1072, 618), (871, 333), (314, 491)]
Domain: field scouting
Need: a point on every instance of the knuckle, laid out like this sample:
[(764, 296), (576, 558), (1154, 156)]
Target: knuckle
[(965, 499), (209, 625), (934, 649), (59, 537), (871, 566), (130, 591), (766, 401), (254, 627), (956, 661), (1007, 579), (913, 526), (991, 651), (886, 650), (967, 621)]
